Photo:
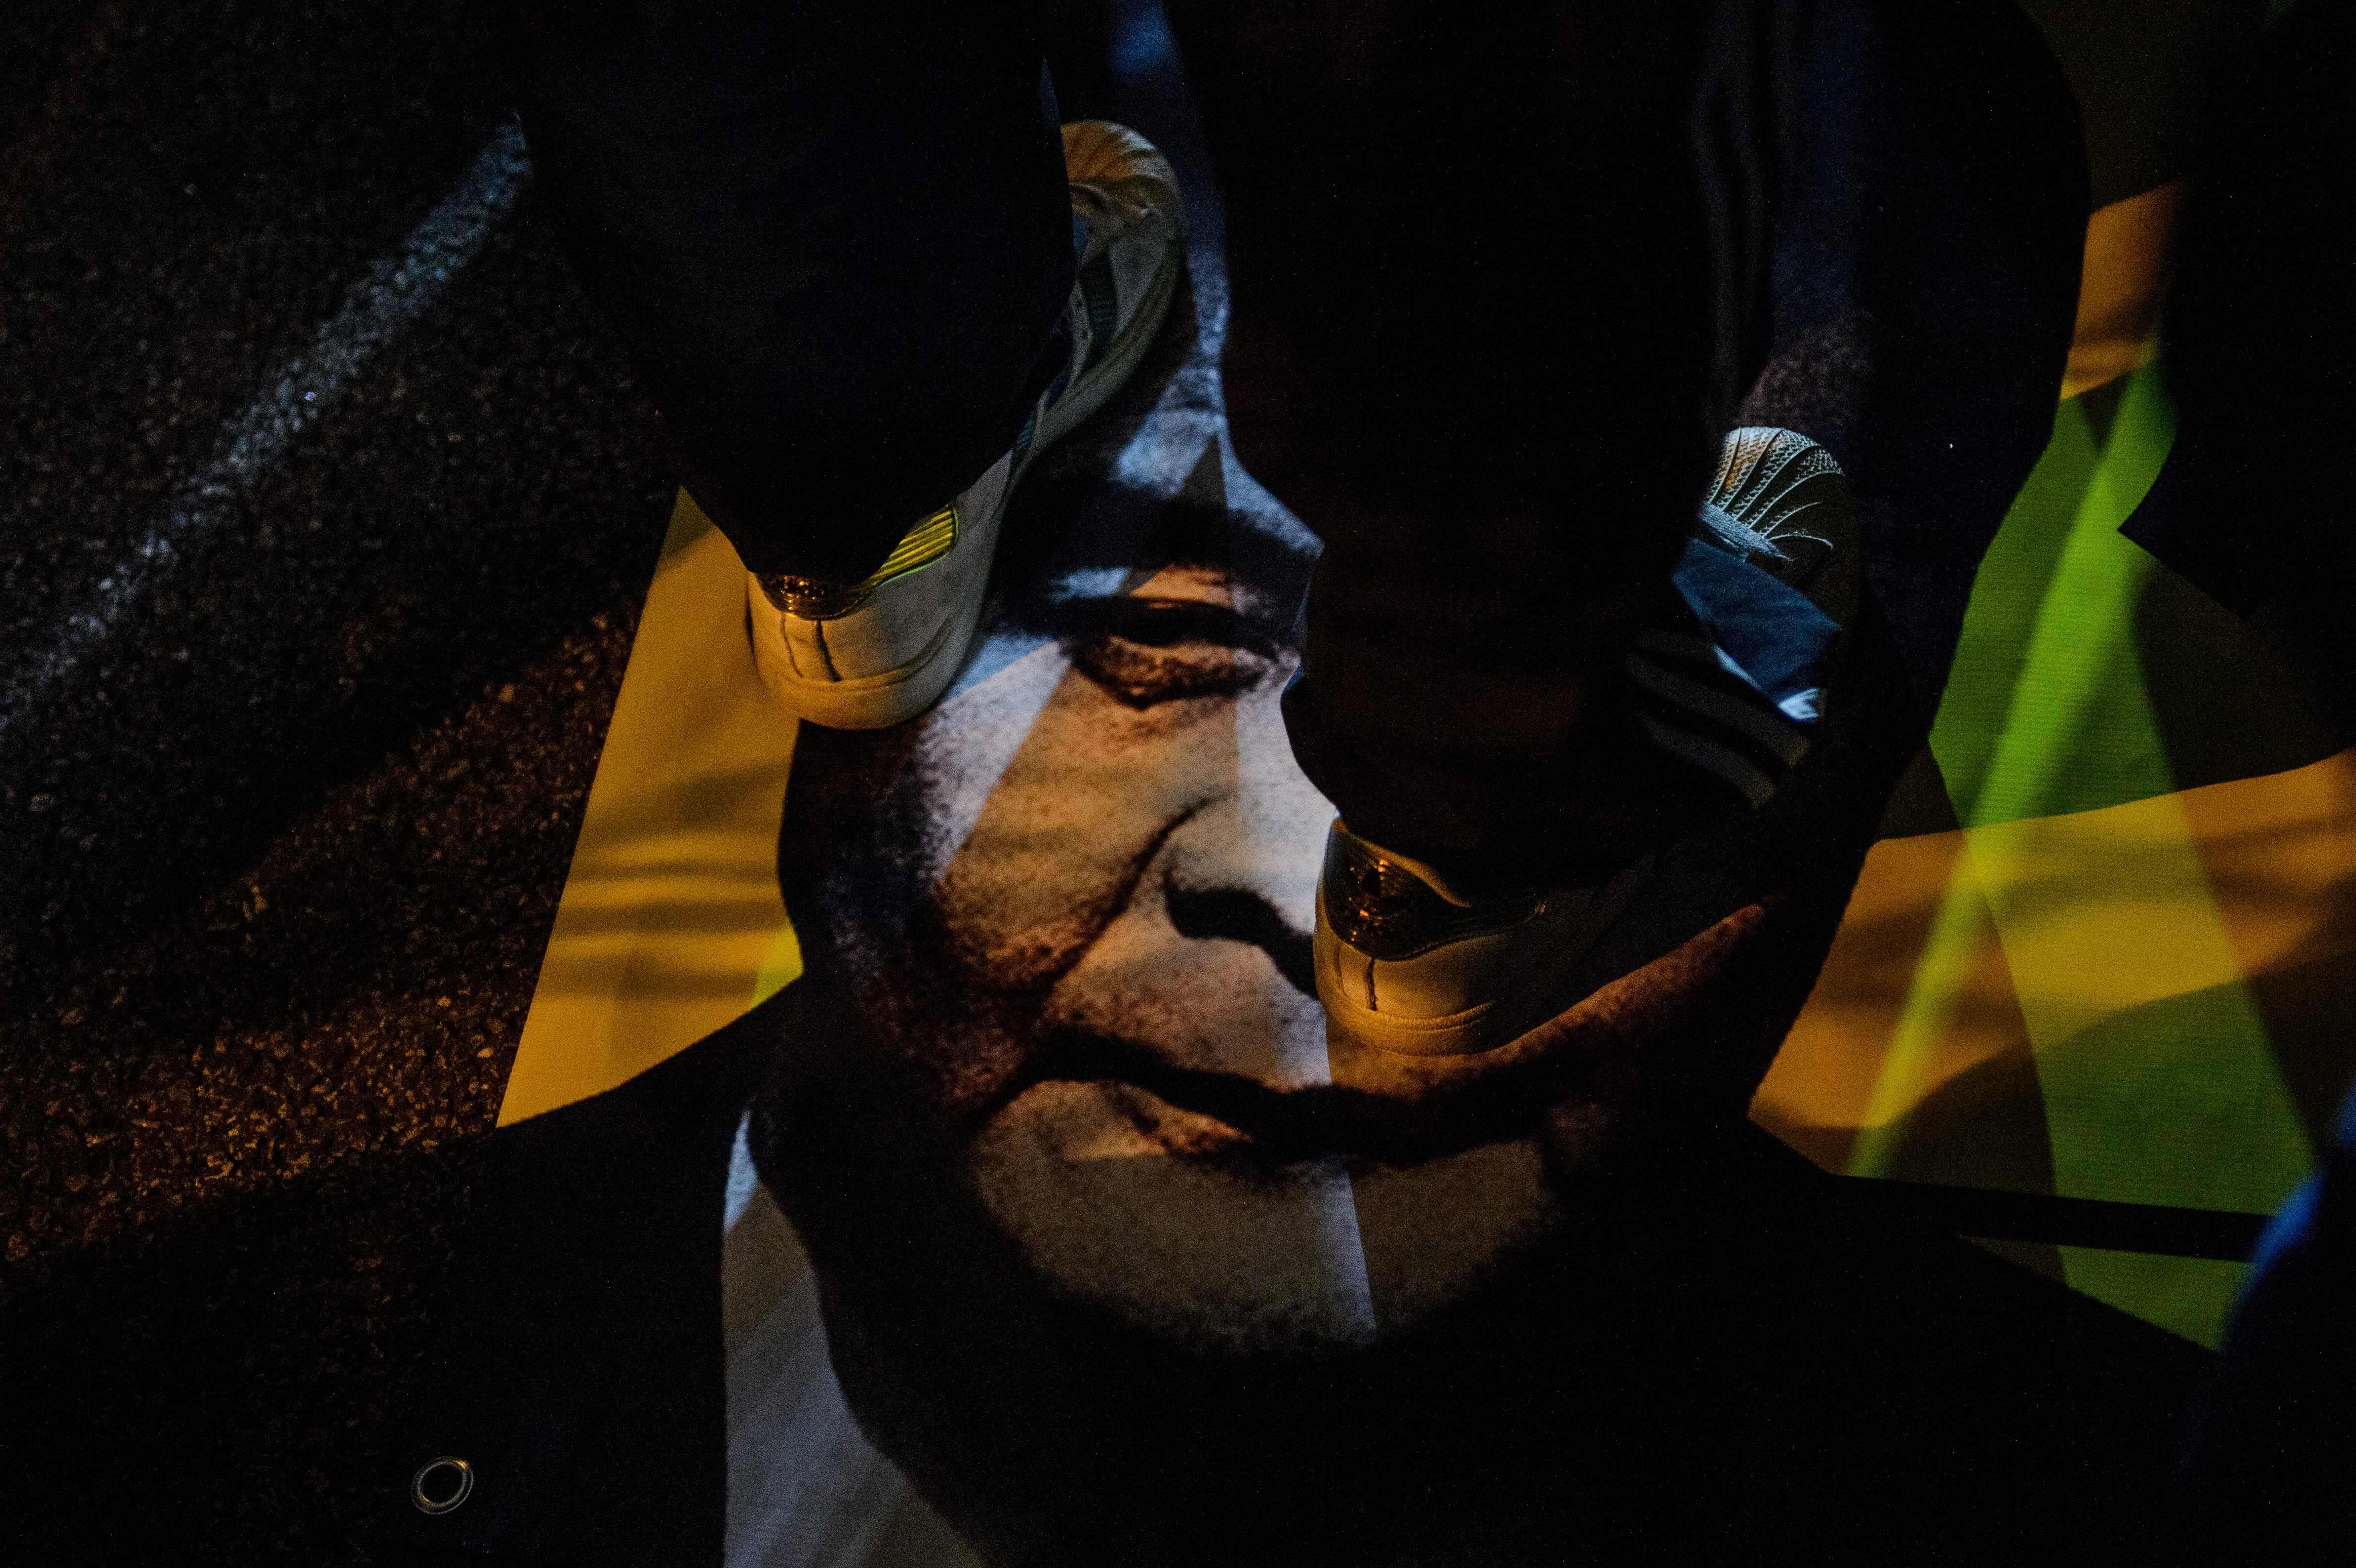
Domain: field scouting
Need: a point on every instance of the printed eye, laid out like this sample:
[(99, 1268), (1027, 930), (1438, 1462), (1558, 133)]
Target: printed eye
[(1144, 651)]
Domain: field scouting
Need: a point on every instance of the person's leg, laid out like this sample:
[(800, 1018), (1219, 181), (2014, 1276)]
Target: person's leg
[(1903, 289), (1499, 288), (836, 241), (1470, 348)]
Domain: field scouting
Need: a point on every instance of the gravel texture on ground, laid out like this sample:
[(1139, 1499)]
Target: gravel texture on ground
[(279, 854)]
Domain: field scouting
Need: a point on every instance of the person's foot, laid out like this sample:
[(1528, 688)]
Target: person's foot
[(882, 651), (1408, 962)]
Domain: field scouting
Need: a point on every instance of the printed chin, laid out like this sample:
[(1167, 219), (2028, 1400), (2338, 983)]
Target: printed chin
[(1172, 1221)]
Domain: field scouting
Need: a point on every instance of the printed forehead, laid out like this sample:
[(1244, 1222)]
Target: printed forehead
[(1218, 518)]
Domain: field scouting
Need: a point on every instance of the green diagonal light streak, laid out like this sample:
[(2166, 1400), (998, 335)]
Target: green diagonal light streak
[(2046, 713)]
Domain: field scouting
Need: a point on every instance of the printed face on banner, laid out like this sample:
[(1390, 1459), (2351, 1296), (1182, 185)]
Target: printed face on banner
[(1078, 896)]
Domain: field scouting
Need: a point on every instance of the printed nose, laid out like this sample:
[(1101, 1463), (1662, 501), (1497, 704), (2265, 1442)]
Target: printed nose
[(1245, 869)]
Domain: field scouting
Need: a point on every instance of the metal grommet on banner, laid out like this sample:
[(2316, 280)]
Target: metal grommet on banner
[(441, 1485)]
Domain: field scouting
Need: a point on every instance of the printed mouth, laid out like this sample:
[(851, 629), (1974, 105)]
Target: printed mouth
[(1184, 1131), (1277, 1127)]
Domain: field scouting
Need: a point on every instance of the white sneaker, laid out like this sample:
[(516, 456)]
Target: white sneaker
[(881, 651), (1406, 962)]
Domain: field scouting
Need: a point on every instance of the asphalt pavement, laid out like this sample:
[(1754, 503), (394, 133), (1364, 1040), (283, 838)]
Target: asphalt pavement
[(300, 697)]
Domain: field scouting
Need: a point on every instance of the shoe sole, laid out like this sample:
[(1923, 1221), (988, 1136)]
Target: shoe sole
[(899, 694)]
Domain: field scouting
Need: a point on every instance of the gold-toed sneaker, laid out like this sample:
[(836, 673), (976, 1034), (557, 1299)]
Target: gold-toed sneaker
[(880, 651)]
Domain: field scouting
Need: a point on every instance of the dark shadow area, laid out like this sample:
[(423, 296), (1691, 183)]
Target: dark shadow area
[(239, 1148), (1920, 804), (1984, 1128), (2228, 705), (51, 43), (2260, 321), (219, 1387), (2139, 73)]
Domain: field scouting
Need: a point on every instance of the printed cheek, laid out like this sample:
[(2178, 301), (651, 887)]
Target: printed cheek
[(1058, 845)]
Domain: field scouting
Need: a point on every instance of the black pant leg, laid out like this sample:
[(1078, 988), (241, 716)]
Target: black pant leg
[(1914, 227), (835, 238), (1469, 347)]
